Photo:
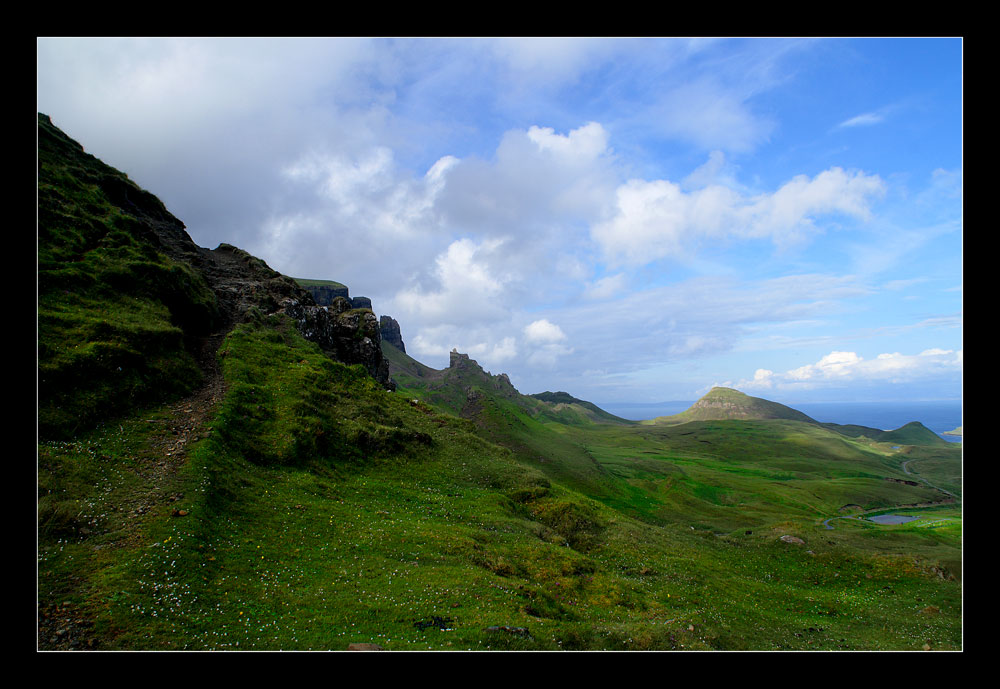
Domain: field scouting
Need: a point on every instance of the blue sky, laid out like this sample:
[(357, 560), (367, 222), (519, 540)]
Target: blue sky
[(628, 220)]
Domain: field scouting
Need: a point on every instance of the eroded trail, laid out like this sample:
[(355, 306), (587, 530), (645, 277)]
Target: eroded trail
[(65, 625)]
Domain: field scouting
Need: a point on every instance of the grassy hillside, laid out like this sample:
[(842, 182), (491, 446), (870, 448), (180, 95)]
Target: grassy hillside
[(317, 510), (282, 500), (116, 314)]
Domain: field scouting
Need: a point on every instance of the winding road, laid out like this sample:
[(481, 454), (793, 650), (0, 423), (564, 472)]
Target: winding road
[(906, 470)]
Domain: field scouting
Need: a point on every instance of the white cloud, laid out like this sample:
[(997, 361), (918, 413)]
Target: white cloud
[(582, 144), (607, 287), (657, 219), (713, 116), (543, 332), (834, 364), (762, 378), (540, 182), (863, 120), (467, 291), (504, 350), (841, 367)]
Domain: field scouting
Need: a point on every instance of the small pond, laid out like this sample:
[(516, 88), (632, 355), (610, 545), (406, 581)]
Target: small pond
[(891, 519)]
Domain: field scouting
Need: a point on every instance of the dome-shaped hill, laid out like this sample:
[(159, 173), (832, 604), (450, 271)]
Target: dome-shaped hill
[(722, 404)]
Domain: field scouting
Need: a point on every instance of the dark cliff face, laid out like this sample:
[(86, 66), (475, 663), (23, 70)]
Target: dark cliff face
[(325, 294), (349, 335), (391, 333)]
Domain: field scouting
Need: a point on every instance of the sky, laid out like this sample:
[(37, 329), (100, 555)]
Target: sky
[(627, 220)]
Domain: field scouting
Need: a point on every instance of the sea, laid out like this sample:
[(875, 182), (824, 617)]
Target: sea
[(938, 416)]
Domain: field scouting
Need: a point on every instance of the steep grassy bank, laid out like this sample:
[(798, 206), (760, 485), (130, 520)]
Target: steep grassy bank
[(116, 314)]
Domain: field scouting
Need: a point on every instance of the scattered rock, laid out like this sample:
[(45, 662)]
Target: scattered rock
[(439, 622), (792, 539), (515, 631), (364, 647), (179, 513)]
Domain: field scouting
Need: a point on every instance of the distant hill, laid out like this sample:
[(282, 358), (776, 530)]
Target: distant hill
[(565, 402), (726, 404), (913, 433), (721, 404), (464, 385)]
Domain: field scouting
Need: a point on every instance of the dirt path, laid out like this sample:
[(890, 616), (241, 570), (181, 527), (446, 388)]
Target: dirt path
[(907, 471), (64, 626)]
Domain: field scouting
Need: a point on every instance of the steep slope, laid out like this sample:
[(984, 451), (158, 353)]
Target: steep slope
[(119, 303), (535, 430), (128, 303), (464, 381)]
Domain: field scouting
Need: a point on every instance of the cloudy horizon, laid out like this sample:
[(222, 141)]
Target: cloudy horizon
[(627, 220)]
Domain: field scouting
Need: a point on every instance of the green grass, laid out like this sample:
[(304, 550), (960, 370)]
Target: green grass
[(324, 511)]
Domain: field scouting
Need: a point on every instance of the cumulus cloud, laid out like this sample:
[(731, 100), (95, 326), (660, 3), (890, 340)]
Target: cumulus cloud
[(468, 291), (657, 219), (543, 332), (539, 181), (841, 367)]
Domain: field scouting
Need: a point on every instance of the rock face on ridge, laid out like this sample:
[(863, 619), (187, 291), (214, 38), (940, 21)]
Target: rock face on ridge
[(237, 286), (325, 292), (350, 335), (391, 333)]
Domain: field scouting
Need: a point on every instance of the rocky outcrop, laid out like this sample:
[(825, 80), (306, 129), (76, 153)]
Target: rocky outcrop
[(325, 294), (347, 334), (361, 303), (391, 333), (459, 361), (244, 286)]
